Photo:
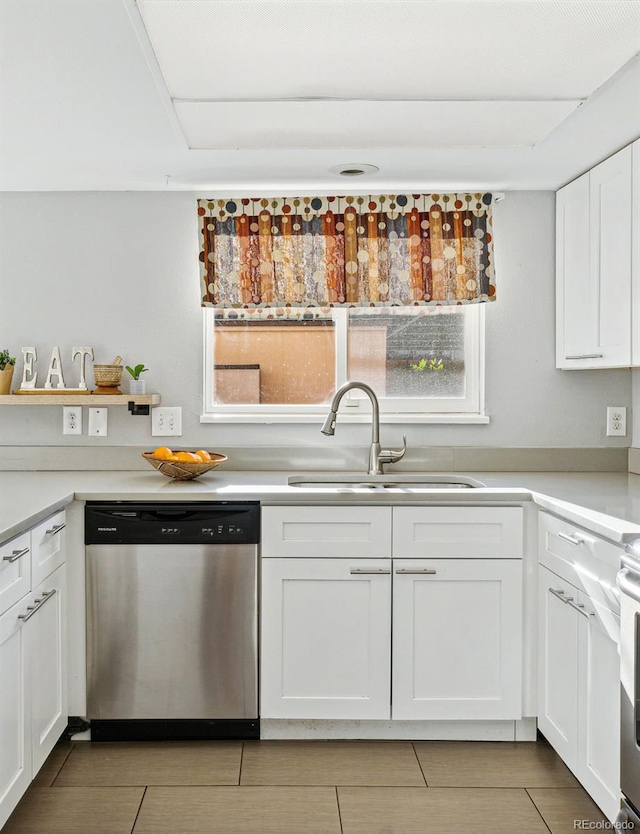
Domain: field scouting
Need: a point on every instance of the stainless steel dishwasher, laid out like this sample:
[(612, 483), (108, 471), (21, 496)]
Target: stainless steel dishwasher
[(172, 622)]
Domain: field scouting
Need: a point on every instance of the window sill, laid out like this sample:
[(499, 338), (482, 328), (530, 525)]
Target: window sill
[(293, 417)]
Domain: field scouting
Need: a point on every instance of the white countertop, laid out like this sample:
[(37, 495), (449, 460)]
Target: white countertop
[(607, 503)]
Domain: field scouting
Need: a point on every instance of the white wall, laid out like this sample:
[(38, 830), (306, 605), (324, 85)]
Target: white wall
[(119, 271)]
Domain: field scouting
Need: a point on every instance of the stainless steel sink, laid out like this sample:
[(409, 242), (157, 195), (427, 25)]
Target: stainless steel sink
[(353, 480)]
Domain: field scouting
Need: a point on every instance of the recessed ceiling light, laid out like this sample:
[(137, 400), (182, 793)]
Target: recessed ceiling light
[(353, 169)]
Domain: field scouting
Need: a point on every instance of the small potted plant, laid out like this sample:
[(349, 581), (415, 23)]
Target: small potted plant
[(137, 385), (7, 364)]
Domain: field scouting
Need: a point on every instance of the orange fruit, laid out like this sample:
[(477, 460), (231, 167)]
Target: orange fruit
[(187, 457), (205, 457), (162, 453)]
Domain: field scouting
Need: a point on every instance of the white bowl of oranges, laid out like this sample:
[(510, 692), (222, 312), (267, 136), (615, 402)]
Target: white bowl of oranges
[(183, 465)]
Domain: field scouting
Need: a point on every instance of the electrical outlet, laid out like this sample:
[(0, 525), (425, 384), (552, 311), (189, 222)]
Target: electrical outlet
[(616, 421), (166, 422), (98, 422), (71, 419)]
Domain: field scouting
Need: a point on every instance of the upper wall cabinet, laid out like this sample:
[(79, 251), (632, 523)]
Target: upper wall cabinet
[(594, 229)]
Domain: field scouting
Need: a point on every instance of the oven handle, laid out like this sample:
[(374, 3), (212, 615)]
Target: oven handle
[(629, 583)]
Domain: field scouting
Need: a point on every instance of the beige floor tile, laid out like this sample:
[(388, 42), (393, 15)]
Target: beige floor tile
[(152, 763), (75, 811), (240, 810), (438, 810), (330, 763), (51, 767), (561, 807), (492, 764)]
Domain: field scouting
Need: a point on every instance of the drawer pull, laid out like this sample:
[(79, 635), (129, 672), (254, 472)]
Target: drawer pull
[(573, 539), (55, 529), (429, 571), (586, 356), (579, 607), (560, 595), (15, 555), (39, 603), (369, 571)]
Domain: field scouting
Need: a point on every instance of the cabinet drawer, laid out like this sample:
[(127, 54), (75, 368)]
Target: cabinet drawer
[(581, 558), (47, 547), (457, 532), (352, 532), (15, 570)]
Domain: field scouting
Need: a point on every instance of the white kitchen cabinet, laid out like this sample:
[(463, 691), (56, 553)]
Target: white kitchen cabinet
[(15, 728), (327, 622), (457, 639), (579, 686), (33, 666), (558, 666), (15, 570), (326, 626), (593, 267), (46, 633), (352, 532)]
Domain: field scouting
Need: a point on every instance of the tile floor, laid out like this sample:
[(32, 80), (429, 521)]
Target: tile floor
[(321, 787)]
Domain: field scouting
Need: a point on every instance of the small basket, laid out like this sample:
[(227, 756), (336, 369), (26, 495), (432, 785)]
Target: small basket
[(183, 470), (108, 376)]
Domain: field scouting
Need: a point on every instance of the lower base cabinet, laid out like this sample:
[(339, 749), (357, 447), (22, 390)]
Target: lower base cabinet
[(579, 686), (33, 685), (457, 639), (326, 639)]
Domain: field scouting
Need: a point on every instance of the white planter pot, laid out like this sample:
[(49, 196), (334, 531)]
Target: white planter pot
[(137, 386)]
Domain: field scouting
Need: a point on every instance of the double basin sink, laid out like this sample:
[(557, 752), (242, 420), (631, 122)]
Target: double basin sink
[(376, 483)]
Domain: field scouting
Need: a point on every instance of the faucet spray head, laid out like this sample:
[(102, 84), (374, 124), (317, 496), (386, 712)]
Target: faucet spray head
[(329, 424)]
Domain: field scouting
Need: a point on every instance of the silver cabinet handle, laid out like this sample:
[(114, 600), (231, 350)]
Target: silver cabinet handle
[(571, 538), (560, 595), (369, 571), (586, 356), (39, 603), (579, 607), (16, 554), (430, 571), (55, 529)]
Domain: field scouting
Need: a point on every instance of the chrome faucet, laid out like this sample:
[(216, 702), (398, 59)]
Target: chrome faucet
[(377, 456)]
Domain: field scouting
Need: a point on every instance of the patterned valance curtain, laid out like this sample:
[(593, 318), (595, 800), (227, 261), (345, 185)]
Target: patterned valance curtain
[(355, 251)]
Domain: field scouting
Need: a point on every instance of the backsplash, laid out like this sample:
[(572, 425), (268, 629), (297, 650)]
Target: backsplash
[(351, 458)]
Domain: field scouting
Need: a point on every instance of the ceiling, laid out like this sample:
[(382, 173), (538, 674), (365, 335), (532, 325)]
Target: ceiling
[(262, 95)]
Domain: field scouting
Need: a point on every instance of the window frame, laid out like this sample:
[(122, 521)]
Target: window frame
[(469, 409)]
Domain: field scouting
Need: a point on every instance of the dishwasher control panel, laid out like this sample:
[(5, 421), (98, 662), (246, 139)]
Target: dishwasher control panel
[(120, 522)]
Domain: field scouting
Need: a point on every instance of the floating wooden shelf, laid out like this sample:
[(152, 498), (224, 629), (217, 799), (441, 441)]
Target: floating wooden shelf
[(79, 399)]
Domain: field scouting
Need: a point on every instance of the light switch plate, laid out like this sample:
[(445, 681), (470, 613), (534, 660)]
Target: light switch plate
[(98, 422), (166, 422)]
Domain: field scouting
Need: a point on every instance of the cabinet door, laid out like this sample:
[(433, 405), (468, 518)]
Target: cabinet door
[(46, 642), (599, 704), (325, 638), (576, 335), (47, 548), (635, 253), (610, 256), (15, 729), (15, 571), (558, 665), (457, 639)]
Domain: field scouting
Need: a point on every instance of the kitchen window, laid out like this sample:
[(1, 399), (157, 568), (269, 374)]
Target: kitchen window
[(270, 365)]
